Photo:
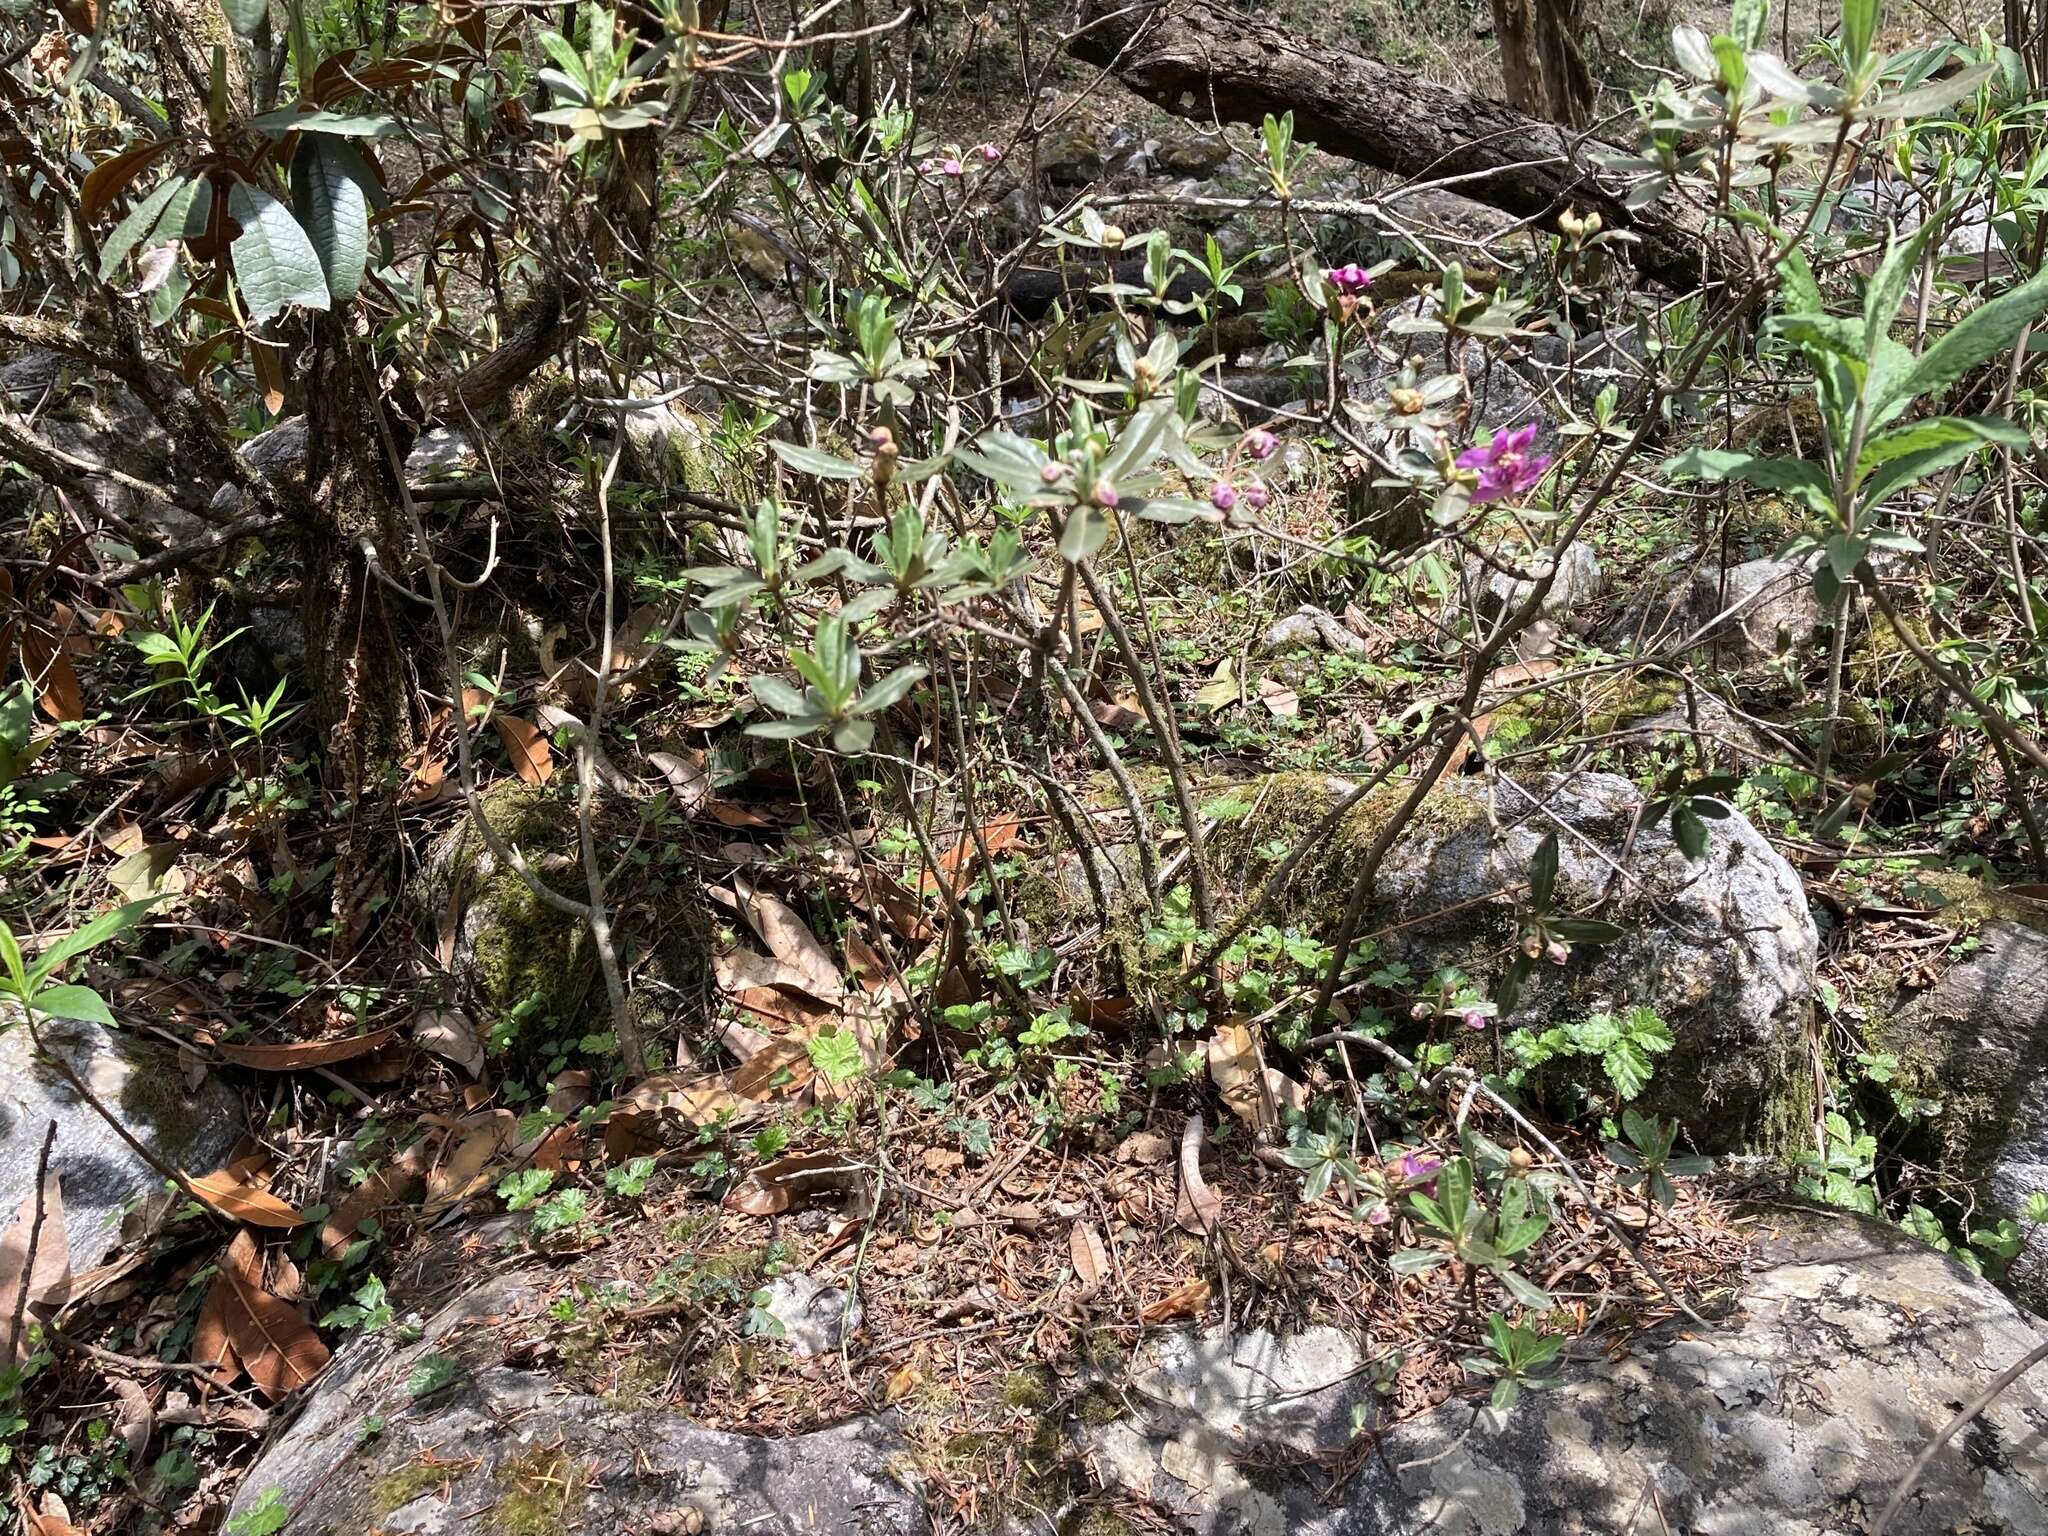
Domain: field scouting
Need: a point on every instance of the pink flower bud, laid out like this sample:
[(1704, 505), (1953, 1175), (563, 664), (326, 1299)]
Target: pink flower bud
[(953, 168), (1379, 1215), (1051, 473), (1256, 496), (1420, 1011), (1105, 494), (989, 153), (1223, 496), (1474, 1019), (1260, 443), (1559, 952)]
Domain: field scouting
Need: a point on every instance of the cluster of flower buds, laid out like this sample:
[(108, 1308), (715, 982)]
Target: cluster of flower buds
[(954, 162)]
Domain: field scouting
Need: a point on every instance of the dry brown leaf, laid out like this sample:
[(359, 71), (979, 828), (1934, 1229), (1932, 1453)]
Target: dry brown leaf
[(796, 1183), (692, 785), (1236, 1068), (135, 1420), (785, 1067), (230, 1192), (1145, 1148), (532, 758), (1281, 700), (743, 970), (478, 1139), (697, 1098), (790, 940), (957, 864), (1190, 1301), (302, 1055), (1199, 1207), (448, 1033), (51, 1517), (903, 1381), (38, 1286), (394, 1182), (1091, 1260), (277, 1348)]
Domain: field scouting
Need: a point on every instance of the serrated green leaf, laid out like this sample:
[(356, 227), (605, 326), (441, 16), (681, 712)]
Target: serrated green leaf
[(1987, 330), (275, 263), (1791, 477)]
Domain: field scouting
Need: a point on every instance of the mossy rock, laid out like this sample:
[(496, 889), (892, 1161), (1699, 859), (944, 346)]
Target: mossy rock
[(515, 953), (1722, 947)]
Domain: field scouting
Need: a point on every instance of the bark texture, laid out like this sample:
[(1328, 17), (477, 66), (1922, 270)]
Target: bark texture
[(1206, 62), (1545, 69)]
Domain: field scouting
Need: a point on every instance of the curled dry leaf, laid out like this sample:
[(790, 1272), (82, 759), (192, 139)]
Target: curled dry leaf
[(692, 785), (1190, 1301), (1091, 1259), (790, 940), (395, 1181), (1236, 1069), (50, 1517), (34, 1284), (135, 1420), (231, 1192), (1199, 1207), (303, 1055), (262, 1333), (796, 1183), (448, 1033), (475, 1141)]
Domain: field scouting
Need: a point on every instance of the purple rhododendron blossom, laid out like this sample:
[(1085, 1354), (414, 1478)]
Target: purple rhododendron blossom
[(1417, 1165), (1222, 495), (1506, 467), (1260, 443), (1256, 495), (1350, 278)]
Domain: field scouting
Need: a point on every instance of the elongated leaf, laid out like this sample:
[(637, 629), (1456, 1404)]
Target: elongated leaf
[(340, 125), (1983, 333), (1938, 432), (107, 180), (275, 263), (815, 461), (1887, 290), (247, 17), (1911, 467), (114, 921), (1793, 477), (333, 212), (1934, 96), (184, 216), (142, 218), (72, 1002)]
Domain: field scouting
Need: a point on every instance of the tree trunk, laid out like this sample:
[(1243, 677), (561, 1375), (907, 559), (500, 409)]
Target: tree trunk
[(1540, 57), (1203, 61)]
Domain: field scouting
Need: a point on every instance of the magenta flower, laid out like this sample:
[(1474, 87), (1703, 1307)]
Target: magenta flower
[(1474, 1019), (989, 153), (1416, 1166), (953, 167), (1350, 279), (1379, 1214), (1505, 465), (1256, 495), (1261, 444), (1223, 496), (1105, 494)]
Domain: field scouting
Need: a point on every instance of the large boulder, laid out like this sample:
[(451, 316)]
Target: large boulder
[(1744, 615), (469, 1446), (186, 1126), (1722, 947), (1854, 1346)]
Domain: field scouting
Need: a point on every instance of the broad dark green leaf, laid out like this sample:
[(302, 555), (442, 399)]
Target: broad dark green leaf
[(333, 212), (1792, 477), (247, 17), (142, 218), (275, 263)]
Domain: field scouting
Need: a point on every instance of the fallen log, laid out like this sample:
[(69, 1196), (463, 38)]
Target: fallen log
[(1206, 62)]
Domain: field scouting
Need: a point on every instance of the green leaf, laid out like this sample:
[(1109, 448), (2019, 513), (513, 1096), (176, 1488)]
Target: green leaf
[(1087, 531), (815, 461), (142, 218), (1689, 832), (1887, 288), (72, 1002), (1627, 1068), (784, 698), (1933, 96), (340, 125), (1987, 330), (1543, 873), (1527, 1292), (10, 956), (1859, 29), (1938, 432), (275, 263), (333, 212), (889, 690), (1791, 477), (247, 17), (1746, 21), (185, 216), (109, 924)]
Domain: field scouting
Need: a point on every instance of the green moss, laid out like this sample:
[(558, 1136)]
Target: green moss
[(538, 1488), (1099, 1406), (1031, 1389), (1966, 899), (1101, 1522), (397, 1489)]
